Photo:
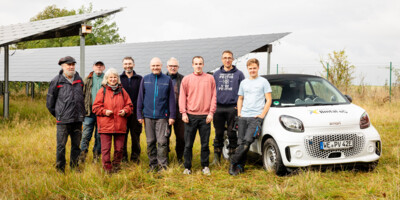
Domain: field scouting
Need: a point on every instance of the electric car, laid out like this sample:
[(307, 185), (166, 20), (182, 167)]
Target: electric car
[(311, 123)]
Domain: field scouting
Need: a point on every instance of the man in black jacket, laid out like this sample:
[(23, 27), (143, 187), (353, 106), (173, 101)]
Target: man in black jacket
[(66, 103), (179, 127), (131, 83)]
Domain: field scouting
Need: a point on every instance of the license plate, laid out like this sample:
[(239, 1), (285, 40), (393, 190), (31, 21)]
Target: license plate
[(333, 145)]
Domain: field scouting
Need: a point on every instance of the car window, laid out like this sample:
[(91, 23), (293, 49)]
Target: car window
[(304, 91)]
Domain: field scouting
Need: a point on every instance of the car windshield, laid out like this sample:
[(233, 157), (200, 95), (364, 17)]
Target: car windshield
[(304, 91)]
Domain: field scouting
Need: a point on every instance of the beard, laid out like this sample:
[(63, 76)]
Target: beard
[(129, 70), (69, 73)]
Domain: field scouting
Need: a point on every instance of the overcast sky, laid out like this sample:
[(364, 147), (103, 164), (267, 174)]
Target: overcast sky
[(369, 30)]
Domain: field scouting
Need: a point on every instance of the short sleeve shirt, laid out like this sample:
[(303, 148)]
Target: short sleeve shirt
[(253, 92)]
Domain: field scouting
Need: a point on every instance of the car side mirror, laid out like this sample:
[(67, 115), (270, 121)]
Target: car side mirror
[(349, 98)]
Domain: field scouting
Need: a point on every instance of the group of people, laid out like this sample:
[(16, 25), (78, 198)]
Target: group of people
[(113, 105)]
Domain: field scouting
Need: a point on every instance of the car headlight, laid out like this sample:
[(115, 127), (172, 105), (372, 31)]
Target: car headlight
[(364, 121), (291, 123)]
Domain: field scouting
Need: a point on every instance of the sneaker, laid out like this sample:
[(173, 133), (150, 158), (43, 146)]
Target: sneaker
[(187, 171), (206, 171)]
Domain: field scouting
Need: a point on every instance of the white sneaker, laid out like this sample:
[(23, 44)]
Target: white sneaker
[(187, 171), (206, 171)]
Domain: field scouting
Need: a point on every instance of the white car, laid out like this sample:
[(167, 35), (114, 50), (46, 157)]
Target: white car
[(310, 123)]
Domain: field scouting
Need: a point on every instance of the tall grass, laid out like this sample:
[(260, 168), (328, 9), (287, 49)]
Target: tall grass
[(27, 157)]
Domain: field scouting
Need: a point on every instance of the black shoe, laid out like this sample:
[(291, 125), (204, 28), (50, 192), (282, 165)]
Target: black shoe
[(152, 169), (239, 169), (232, 169)]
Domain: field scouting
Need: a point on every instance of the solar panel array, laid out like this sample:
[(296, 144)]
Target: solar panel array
[(40, 65)]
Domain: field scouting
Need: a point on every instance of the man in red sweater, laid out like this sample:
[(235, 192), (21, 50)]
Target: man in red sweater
[(197, 103)]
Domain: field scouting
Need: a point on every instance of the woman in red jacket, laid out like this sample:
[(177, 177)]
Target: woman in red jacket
[(112, 108)]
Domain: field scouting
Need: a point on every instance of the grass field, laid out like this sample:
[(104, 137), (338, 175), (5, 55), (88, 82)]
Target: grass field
[(27, 158)]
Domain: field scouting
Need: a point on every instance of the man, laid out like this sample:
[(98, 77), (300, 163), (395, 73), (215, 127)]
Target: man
[(65, 102), (227, 79), (197, 103), (92, 84), (156, 107), (131, 83), (179, 128), (253, 104)]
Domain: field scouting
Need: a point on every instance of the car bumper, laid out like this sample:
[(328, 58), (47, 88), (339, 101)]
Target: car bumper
[(302, 149)]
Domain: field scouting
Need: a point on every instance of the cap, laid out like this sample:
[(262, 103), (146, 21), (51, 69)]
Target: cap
[(98, 62), (67, 59)]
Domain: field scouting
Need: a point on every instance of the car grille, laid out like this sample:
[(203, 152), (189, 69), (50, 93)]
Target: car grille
[(313, 144)]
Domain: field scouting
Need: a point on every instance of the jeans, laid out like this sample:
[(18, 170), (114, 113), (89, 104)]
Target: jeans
[(135, 129), (248, 126), (89, 124), (74, 130), (224, 114), (106, 140), (157, 141), (197, 122)]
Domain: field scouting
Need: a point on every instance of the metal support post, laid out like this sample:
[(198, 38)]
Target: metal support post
[(269, 58), (6, 99), (27, 88), (82, 43), (277, 67), (390, 83), (33, 90)]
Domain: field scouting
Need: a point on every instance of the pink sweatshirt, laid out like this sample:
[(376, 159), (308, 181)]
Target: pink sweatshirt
[(198, 95)]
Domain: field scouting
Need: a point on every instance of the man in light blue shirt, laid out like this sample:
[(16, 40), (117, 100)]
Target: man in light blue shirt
[(253, 104)]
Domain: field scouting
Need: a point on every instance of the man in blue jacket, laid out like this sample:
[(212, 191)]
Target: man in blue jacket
[(65, 101), (157, 108), (227, 79)]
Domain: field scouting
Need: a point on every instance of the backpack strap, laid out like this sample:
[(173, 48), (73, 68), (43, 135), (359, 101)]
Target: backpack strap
[(104, 93)]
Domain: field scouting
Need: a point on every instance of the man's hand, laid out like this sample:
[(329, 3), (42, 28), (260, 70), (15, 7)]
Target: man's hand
[(121, 113), (171, 121), (261, 116), (209, 119), (185, 119), (140, 121), (108, 113)]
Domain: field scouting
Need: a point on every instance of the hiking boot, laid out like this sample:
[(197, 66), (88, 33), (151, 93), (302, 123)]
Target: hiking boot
[(187, 171), (152, 169), (232, 169), (217, 159), (82, 157), (206, 171)]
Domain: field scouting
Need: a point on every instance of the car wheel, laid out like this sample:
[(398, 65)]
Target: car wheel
[(272, 159)]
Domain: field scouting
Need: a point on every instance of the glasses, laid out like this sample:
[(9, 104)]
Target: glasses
[(173, 66), (227, 58)]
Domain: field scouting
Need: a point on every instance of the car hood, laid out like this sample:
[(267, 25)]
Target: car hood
[(329, 115)]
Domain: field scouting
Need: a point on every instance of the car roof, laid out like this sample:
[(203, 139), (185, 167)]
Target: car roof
[(273, 77)]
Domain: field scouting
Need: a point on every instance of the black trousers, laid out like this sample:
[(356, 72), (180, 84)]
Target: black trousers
[(197, 122), (225, 114), (135, 129), (74, 130), (179, 130), (248, 127)]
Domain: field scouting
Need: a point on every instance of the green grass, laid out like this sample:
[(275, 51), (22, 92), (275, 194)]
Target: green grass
[(27, 158)]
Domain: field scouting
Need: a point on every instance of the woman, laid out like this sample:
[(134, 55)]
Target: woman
[(112, 107)]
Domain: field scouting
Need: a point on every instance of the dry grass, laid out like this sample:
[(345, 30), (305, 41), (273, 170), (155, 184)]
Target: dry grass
[(27, 157)]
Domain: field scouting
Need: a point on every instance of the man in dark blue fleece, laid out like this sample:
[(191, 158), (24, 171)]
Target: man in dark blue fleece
[(157, 108), (227, 79)]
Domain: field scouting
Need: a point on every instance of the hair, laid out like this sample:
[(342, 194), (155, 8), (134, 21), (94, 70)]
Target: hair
[(108, 73), (171, 59), (227, 51), (253, 61), (198, 57), (128, 58)]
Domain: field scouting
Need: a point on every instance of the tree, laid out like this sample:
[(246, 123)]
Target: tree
[(104, 32), (340, 71)]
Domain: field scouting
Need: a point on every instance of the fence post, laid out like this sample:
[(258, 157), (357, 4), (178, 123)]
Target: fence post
[(27, 88), (277, 69), (327, 71), (390, 83)]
